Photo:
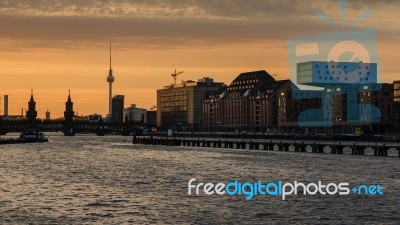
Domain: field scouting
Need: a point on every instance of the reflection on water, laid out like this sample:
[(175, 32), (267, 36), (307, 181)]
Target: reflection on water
[(107, 180)]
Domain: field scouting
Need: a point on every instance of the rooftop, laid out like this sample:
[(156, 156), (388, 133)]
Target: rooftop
[(205, 81)]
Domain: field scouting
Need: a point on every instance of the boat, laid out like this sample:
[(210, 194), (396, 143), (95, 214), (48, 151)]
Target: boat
[(32, 135)]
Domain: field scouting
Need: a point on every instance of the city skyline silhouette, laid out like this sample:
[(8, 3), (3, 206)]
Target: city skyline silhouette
[(52, 49)]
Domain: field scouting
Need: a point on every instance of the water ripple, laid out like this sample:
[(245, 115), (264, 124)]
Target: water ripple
[(106, 180)]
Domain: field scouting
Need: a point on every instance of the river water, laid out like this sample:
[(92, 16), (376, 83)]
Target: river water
[(107, 180)]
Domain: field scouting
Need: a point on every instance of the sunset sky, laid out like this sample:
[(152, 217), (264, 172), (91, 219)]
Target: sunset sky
[(52, 46)]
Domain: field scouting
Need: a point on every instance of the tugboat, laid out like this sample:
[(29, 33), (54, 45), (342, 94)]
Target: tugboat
[(31, 135)]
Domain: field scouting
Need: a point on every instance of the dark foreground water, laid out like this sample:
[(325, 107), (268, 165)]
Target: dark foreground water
[(105, 180)]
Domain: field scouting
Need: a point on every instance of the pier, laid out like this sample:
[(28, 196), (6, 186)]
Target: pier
[(312, 146), (19, 141)]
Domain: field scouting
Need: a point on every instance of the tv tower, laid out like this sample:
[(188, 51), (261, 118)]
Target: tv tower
[(110, 80)]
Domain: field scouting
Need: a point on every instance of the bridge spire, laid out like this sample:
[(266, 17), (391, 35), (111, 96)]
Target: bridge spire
[(69, 116), (31, 114), (31, 100)]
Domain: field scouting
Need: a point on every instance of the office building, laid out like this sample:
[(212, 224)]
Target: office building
[(134, 114), (396, 105), (320, 73), (256, 102), (249, 103), (291, 103), (151, 119), (348, 99), (47, 115), (117, 113), (396, 91), (180, 106), (382, 100)]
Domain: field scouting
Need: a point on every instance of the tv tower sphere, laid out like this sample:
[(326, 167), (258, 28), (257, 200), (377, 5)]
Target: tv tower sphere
[(110, 78)]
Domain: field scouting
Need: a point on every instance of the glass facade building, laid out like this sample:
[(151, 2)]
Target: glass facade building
[(321, 73)]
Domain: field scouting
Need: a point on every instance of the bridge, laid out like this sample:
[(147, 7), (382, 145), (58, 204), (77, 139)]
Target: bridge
[(99, 128), (68, 125)]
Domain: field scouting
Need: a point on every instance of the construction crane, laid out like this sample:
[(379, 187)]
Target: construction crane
[(175, 74)]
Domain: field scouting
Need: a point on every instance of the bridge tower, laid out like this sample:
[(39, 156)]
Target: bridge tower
[(31, 114), (69, 117)]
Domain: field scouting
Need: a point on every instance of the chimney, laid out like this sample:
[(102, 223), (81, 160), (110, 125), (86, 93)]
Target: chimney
[(6, 105)]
